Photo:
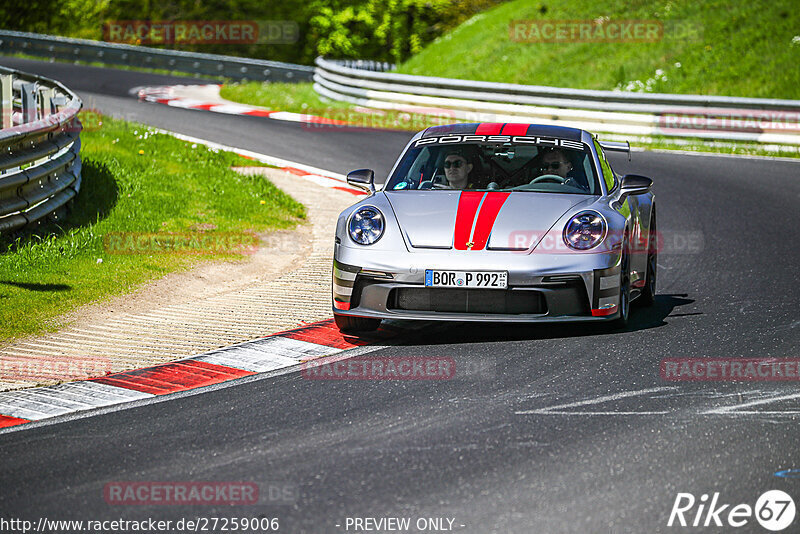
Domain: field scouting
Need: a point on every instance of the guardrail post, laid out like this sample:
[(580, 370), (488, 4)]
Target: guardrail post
[(6, 100), (46, 101), (28, 91)]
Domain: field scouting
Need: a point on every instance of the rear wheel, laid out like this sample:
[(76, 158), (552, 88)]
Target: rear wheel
[(350, 324), (648, 296)]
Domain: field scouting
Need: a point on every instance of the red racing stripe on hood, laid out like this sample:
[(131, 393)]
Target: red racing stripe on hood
[(489, 210), (468, 204)]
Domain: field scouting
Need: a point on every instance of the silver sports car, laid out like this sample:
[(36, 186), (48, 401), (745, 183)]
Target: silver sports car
[(496, 222)]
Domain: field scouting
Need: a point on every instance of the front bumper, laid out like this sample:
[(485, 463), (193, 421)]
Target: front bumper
[(542, 288)]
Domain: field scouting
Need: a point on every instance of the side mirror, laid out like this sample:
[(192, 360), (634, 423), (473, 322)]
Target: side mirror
[(633, 184), (363, 179)]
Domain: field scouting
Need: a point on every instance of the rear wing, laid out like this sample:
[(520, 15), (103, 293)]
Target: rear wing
[(613, 146)]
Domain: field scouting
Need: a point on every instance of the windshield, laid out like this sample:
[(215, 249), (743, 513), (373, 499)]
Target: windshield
[(430, 164)]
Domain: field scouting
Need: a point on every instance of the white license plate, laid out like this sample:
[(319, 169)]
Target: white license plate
[(469, 279)]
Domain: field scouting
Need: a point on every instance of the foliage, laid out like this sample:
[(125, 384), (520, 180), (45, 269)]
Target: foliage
[(386, 30)]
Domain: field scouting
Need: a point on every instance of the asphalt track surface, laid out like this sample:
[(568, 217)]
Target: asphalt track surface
[(495, 448)]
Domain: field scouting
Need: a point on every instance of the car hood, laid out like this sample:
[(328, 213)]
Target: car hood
[(474, 220)]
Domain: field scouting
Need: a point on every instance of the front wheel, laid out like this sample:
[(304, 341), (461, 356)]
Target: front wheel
[(624, 293), (349, 324)]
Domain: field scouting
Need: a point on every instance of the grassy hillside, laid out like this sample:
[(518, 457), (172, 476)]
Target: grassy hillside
[(734, 47)]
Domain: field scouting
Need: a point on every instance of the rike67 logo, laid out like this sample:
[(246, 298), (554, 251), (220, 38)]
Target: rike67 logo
[(774, 510)]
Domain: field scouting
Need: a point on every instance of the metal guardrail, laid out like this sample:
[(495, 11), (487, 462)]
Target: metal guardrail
[(366, 64), (40, 166), (644, 114), (236, 68)]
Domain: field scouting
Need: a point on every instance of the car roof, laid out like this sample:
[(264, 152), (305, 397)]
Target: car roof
[(499, 128)]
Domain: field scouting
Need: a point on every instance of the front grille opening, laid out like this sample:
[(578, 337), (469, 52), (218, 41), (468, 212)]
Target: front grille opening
[(358, 288), (454, 300)]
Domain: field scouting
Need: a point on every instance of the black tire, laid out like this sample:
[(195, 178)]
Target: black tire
[(356, 324), (624, 292), (648, 296)]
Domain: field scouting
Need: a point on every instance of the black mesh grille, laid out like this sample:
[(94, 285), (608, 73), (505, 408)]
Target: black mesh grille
[(467, 300)]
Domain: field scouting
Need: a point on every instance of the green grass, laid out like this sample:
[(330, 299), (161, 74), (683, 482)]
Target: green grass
[(296, 97), (172, 186), (739, 48)]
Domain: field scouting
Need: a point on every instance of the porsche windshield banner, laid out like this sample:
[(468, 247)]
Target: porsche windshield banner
[(519, 139)]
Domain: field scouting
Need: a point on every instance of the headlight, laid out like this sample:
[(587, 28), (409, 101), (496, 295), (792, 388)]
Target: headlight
[(585, 230), (366, 225)]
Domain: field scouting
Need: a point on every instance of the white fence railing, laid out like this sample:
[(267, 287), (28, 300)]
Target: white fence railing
[(641, 114)]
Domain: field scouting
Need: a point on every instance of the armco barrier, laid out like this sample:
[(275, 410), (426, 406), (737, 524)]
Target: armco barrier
[(235, 68), (40, 166), (627, 113)]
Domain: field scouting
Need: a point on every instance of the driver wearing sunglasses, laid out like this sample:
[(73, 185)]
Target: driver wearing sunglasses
[(555, 162), (456, 170)]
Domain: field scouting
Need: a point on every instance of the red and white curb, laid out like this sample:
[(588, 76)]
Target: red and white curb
[(316, 175), (208, 99), (265, 355), (277, 351)]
